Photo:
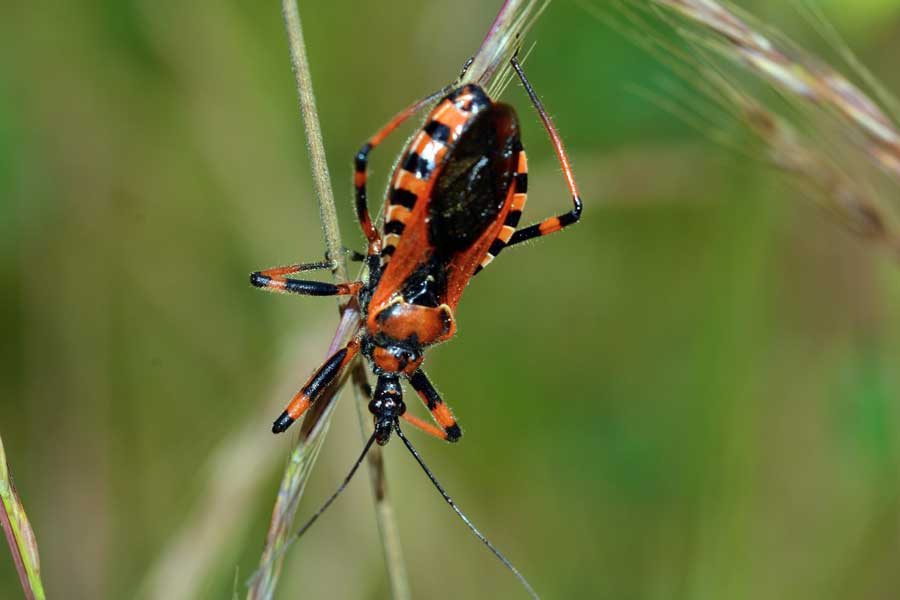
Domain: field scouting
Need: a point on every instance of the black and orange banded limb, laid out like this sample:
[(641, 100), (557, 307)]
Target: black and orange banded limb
[(424, 426), (321, 379), (509, 235), (440, 412), (361, 161), (553, 224), (274, 280)]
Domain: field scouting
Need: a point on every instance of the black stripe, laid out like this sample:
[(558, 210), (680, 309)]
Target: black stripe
[(497, 247), (525, 234), (512, 218), (568, 218), (404, 198), (308, 288), (259, 280), (477, 270), (521, 183), (362, 156), (478, 98), (311, 288), (394, 227), (453, 433), (417, 165), (388, 250), (459, 92), (421, 384), (325, 375), (438, 131), (362, 207), (282, 423)]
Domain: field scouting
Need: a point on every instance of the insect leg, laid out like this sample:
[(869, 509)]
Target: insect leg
[(320, 380), (275, 280), (424, 426), (449, 430), (553, 224), (361, 162)]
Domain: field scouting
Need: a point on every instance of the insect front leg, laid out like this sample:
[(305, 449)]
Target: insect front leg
[(449, 429), (361, 162), (321, 379)]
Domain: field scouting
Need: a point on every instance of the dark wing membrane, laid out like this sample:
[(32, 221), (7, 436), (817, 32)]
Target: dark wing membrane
[(473, 182)]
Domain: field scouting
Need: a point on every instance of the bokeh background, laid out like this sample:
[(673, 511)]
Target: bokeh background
[(692, 394)]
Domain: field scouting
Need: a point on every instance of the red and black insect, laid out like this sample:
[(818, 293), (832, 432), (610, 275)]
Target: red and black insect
[(454, 203)]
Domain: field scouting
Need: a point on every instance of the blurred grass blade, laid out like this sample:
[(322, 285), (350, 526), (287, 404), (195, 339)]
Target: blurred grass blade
[(812, 122), (19, 536), (794, 74), (503, 39), (293, 482), (313, 430)]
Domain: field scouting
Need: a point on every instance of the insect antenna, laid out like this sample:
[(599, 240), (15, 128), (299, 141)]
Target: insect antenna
[(337, 492), (462, 516)]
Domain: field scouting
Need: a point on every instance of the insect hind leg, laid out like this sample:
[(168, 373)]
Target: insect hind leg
[(553, 224), (321, 379)]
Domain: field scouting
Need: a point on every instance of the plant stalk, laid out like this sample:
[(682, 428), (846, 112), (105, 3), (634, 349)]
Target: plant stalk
[(19, 535), (315, 424)]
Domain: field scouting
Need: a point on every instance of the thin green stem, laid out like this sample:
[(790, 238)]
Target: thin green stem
[(316, 423), (19, 535), (318, 163)]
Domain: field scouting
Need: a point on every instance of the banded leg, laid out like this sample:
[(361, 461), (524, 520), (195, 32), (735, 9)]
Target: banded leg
[(449, 429), (361, 163), (366, 390), (275, 280), (320, 380), (553, 224)]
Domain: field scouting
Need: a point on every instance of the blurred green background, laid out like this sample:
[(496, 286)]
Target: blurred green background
[(692, 394)]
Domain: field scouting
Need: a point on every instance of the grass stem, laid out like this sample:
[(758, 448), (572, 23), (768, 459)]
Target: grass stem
[(19, 535), (315, 424)]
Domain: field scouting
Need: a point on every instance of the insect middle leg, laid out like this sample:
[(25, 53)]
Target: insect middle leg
[(449, 429), (275, 280), (321, 379)]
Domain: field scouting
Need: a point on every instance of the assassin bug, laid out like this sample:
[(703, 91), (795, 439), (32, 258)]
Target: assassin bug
[(453, 204)]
